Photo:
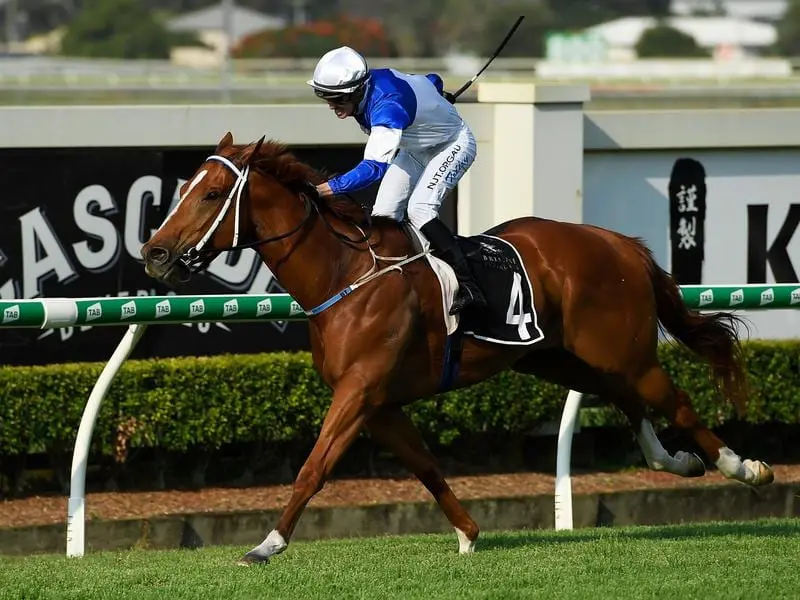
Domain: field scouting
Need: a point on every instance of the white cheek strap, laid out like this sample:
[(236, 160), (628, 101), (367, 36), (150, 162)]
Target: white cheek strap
[(236, 190)]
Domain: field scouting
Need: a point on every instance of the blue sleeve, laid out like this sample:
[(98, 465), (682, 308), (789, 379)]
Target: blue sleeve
[(437, 81), (392, 114), (362, 175)]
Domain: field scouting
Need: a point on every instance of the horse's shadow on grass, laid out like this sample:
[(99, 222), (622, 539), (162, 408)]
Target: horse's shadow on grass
[(508, 540)]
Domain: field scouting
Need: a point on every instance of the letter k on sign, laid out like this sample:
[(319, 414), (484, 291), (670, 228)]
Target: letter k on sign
[(758, 254)]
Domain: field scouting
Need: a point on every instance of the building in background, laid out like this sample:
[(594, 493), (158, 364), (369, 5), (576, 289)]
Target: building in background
[(209, 25)]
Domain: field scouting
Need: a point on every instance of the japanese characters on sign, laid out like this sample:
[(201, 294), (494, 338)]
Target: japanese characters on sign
[(687, 195), (687, 224)]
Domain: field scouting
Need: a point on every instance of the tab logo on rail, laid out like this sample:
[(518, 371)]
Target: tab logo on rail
[(231, 307), (197, 308), (128, 310), (767, 296), (737, 297), (264, 307), (163, 309), (94, 311), (11, 314), (706, 297)]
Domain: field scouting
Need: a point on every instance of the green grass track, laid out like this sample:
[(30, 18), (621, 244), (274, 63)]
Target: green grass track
[(750, 560)]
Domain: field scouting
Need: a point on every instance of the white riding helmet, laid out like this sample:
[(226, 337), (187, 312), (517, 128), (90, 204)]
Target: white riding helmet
[(339, 72)]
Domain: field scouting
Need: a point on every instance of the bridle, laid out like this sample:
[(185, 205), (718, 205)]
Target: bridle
[(197, 258)]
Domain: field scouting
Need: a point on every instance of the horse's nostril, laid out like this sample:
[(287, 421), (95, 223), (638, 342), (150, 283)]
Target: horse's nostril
[(157, 255)]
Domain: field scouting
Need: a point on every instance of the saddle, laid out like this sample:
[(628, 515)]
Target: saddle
[(510, 316)]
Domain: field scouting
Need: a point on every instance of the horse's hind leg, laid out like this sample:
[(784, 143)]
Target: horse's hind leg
[(657, 390), (685, 464), (564, 368), (391, 427)]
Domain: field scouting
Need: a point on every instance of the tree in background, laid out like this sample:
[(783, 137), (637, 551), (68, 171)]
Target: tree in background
[(119, 29), (788, 43), (664, 41)]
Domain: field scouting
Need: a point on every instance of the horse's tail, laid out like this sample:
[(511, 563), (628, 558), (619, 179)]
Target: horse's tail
[(712, 336)]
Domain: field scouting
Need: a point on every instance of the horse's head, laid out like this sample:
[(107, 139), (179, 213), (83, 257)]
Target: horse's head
[(210, 215)]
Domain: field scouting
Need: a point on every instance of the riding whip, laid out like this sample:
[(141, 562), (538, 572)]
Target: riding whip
[(502, 45)]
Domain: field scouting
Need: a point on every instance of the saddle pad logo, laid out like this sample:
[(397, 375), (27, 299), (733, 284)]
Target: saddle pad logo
[(510, 317)]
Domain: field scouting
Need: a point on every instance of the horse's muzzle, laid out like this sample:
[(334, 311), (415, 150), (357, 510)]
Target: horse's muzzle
[(163, 265)]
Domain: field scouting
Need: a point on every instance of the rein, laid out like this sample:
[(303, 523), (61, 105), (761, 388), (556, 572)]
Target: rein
[(196, 259)]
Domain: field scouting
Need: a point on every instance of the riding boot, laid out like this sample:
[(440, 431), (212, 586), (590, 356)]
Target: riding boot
[(446, 247)]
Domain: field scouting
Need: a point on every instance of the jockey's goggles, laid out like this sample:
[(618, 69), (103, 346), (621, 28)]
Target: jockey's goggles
[(354, 90), (335, 97)]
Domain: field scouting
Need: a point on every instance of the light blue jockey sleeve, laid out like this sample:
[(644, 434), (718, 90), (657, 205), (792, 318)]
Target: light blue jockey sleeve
[(389, 108)]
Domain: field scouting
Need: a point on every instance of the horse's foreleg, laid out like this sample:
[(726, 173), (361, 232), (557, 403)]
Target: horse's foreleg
[(391, 427), (345, 418)]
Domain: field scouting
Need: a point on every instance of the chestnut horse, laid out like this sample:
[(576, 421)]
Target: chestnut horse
[(599, 299)]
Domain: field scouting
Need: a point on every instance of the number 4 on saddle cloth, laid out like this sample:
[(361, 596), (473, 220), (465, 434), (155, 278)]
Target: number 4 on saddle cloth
[(510, 316)]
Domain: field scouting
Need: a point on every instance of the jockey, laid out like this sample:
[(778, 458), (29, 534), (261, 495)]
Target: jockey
[(418, 148)]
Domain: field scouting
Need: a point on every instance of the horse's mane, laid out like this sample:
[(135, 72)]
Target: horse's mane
[(276, 160)]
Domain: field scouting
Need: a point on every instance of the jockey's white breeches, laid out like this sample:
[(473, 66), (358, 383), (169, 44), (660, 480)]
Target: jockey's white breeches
[(418, 181)]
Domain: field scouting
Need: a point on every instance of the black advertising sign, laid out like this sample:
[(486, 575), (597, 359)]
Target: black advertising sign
[(687, 214), (72, 222)]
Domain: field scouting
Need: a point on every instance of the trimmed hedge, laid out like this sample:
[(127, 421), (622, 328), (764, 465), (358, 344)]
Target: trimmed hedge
[(182, 403)]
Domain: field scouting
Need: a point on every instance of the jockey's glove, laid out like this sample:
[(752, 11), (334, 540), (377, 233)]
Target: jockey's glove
[(310, 190)]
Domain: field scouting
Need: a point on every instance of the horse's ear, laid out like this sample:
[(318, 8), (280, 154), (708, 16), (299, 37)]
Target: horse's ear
[(227, 140), (253, 150)]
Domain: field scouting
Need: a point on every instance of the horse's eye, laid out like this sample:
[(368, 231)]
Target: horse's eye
[(212, 195)]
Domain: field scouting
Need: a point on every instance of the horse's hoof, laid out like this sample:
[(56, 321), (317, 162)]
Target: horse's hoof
[(695, 467), (760, 472), (273, 544), (465, 545), (253, 558)]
